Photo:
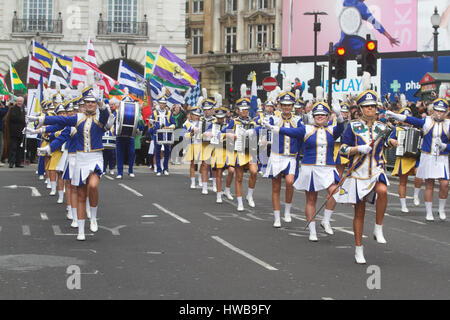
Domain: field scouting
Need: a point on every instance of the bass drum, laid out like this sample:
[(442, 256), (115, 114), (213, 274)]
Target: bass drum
[(127, 119)]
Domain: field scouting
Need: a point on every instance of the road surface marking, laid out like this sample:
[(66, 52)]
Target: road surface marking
[(327, 298), (405, 219), (342, 229), (243, 253), (150, 216), (108, 177), (34, 191), (26, 231), (171, 213), (130, 189), (422, 237), (57, 232), (114, 231), (211, 216), (44, 216), (396, 195)]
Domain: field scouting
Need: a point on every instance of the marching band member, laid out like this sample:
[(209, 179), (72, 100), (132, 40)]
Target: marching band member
[(109, 155), (434, 156), (404, 166), (342, 161), (162, 118), (239, 130), (218, 144), (206, 121), (317, 170), (363, 142), (89, 158), (193, 136), (283, 158)]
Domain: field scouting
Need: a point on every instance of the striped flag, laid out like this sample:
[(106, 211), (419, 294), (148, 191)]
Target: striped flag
[(175, 96), (36, 70), (254, 98), (80, 67), (46, 56), (16, 83), (4, 94), (149, 61), (175, 71), (131, 79), (59, 75), (90, 53)]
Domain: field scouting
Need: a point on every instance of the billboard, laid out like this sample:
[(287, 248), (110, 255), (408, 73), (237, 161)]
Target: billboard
[(393, 23), (305, 71), (398, 77), (425, 29)]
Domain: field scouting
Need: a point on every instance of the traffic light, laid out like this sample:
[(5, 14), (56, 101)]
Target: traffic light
[(316, 82), (339, 63), (230, 93), (367, 60), (312, 87)]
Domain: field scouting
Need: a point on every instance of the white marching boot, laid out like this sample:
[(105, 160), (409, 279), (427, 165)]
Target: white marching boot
[(378, 234), (228, 195), (219, 197), (327, 227), (359, 255), (277, 220)]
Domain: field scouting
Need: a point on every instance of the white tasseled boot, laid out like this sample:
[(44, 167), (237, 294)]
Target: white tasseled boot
[(378, 234)]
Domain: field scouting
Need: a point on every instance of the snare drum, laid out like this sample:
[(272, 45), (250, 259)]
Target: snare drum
[(109, 142), (165, 136), (127, 119)]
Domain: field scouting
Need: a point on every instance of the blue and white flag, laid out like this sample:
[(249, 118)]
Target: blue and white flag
[(193, 95), (156, 91), (128, 78), (254, 98)]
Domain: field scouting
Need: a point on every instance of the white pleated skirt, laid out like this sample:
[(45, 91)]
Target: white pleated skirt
[(354, 190), (433, 167), (85, 164), (280, 164), (62, 164), (316, 178), (70, 169)]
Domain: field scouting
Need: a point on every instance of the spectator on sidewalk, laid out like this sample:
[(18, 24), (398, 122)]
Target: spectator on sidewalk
[(3, 111), (16, 124)]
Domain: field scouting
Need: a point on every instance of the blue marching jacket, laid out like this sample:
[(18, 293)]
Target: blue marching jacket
[(431, 130)]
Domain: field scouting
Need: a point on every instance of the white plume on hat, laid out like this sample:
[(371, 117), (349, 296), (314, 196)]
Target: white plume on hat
[(366, 81), (275, 93), (58, 87), (46, 94), (126, 91), (319, 94), (218, 99), (297, 94), (259, 102), (287, 84), (443, 91), (200, 101), (243, 90), (80, 87), (205, 93), (67, 93), (403, 101), (90, 80)]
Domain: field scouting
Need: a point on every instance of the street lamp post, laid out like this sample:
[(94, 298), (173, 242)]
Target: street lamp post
[(435, 21), (317, 29)]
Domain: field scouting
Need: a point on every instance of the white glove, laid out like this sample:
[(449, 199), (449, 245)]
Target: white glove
[(337, 110), (45, 151), (442, 146), (31, 119), (32, 131), (364, 149), (266, 124), (395, 116)]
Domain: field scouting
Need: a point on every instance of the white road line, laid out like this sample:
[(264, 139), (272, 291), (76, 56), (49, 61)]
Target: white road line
[(109, 178), (422, 237), (57, 232), (245, 254), (150, 216), (0, 229), (346, 231), (211, 216), (130, 189), (171, 213), (44, 216), (327, 298), (396, 195), (26, 231), (405, 219)]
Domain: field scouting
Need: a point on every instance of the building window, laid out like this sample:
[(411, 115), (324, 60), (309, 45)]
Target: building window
[(197, 6), (273, 36), (197, 41), (258, 4), (122, 16), (258, 37), (230, 40), (38, 15), (231, 6)]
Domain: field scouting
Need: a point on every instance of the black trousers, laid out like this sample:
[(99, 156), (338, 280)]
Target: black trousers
[(15, 151), (31, 150)]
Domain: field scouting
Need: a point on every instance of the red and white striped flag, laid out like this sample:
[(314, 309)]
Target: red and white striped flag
[(35, 70), (79, 69), (90, 53), (2, 79)]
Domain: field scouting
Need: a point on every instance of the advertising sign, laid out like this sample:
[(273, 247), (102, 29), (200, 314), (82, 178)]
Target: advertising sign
[(393, 23)]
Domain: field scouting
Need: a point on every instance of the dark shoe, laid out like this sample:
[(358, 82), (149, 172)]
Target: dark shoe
[(19, 166), (11, 165)]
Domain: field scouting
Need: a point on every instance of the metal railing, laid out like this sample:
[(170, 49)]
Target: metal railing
[(37, 25), (121, 27)]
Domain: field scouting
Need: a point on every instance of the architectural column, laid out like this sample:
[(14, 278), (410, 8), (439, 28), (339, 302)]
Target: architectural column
[(217, 34), (240, 32), (278, 24)]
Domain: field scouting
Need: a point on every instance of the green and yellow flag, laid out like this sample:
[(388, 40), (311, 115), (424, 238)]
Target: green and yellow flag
[(16, 83), (149, 62)]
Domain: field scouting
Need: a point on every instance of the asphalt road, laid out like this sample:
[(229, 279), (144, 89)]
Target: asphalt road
[(160, 240)]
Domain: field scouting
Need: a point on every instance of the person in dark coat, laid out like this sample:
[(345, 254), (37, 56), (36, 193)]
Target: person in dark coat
[(16, 124), (3, 111)]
